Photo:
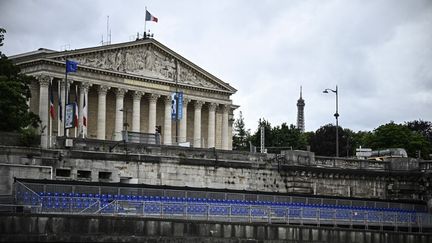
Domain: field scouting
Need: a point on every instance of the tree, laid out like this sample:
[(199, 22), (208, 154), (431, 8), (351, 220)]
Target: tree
[(268, 136), (14, 111), (279, 138), (2, 32), (323, 142), (241, 135), (288, 136), (422, 127), (393, 135)]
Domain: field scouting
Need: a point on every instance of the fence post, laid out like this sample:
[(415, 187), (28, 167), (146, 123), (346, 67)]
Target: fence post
[(250, 213), (366, 219), (396, 221), (301, 215), (287, 215)]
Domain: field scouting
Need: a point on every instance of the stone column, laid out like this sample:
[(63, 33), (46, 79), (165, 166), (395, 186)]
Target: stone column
[(197, 124), (225, 137), (152, 113), (43, 108), (211, 125), (120, 93), (167, 139), (84, 88), (136, 111), (182, 136), (101, 115)]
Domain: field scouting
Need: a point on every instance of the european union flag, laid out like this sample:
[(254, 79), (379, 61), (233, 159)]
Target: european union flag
[(71, 66)]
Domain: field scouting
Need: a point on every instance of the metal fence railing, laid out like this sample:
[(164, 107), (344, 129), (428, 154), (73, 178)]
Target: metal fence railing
[(41, 201)]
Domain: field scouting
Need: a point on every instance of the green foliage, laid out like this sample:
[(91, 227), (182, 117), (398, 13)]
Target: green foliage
[(279, 138), (2, 32), (323, 142), (393, 135), (288, 136), (422, 127), (29, 137), (268, 137), (241, 135), (14, 87)]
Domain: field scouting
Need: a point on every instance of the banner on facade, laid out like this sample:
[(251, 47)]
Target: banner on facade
[(69, 119), (174, 106)]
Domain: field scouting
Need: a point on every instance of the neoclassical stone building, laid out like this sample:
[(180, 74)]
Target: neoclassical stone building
[(131, 83)]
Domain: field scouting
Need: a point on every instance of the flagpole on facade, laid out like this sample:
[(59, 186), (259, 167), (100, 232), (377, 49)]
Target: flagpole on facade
[(65, 98), (58, 107), (76, 105), (50, 120)]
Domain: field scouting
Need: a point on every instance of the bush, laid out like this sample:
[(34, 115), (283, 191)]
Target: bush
[(29, 137)]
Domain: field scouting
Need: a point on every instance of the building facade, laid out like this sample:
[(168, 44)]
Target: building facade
[(129, 86)]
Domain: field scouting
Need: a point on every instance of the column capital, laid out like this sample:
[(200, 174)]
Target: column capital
[(103, 89), (186, 101), (138, 94), (198, 104), (85, 86), (167, 99), (225, 107), (212, 106), (153, 97), (44, 80), (120, 92)]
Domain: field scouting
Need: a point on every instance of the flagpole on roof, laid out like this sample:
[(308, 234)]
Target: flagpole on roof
[(145, 22)]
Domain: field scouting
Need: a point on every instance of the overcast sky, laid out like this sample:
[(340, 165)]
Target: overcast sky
[(379, 53)]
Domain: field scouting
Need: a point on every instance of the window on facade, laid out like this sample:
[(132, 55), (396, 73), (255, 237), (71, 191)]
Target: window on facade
[(63, 172), (84, 174), (103, 175)]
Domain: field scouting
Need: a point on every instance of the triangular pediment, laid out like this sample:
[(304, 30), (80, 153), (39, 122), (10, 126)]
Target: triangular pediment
[(146, 58)]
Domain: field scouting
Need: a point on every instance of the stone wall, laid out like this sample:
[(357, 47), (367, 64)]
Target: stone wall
[(67, 228), (292, 172)]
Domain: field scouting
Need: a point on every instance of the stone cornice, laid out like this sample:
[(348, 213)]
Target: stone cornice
[(121, 75)]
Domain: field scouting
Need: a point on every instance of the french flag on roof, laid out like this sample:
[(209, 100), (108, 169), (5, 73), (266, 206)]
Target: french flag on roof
[(150, 17)]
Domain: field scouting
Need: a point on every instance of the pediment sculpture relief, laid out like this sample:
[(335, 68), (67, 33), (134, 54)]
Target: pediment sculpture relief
[(144, 61)]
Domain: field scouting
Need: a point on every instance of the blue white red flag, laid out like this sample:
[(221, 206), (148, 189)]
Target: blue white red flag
[(150, 17), (52, 110)]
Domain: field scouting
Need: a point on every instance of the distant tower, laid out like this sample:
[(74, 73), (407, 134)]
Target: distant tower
[(300, 112)]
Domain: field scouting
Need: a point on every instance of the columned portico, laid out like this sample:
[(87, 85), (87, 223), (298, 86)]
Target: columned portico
[(225, 109), (182, 137), (211, 125), (141, 67), (101, 115), (43, 108), (136, 111), (167, 139), (197, 124), (152, 112), (119, 113)]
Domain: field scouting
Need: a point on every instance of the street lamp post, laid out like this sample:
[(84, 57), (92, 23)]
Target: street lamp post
[(336, 115)]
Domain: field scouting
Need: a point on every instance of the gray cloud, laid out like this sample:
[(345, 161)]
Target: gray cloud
[(377, 52)]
